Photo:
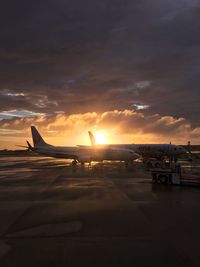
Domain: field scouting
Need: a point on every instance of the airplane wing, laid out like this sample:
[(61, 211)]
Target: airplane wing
[(21, 146)]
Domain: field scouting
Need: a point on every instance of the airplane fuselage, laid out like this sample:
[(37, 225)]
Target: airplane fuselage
[(87, 154), (150, 150)]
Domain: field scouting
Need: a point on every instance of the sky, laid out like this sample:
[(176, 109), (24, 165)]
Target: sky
[(127, 68)]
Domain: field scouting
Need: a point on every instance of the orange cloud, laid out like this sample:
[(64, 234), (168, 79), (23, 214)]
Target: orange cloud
[(121, 126)]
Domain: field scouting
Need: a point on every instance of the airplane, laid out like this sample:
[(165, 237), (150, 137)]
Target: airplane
[(79, 153), (157, 151), (193, 150)]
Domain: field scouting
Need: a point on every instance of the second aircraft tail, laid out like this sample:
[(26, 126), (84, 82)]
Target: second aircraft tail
[(92, 138)]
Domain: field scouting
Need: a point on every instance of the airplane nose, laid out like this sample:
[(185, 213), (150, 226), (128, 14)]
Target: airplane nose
[(134, 155), (137, 156)]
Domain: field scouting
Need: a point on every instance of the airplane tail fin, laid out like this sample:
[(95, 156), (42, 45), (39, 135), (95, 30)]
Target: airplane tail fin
[(92, 138), (37, 138)]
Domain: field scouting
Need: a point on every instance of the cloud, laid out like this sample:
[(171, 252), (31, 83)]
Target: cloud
[(74, 57), (121, 126), (18, 114)]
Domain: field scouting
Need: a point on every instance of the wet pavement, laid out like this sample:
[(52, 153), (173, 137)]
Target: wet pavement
[(53, 215)]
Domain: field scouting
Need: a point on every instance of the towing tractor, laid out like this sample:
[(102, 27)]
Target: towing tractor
[(168, 175)]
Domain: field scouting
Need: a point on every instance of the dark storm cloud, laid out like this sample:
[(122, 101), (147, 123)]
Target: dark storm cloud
[(80, 56)]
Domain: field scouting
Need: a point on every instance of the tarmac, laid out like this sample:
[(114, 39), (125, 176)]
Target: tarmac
[(54, 215)]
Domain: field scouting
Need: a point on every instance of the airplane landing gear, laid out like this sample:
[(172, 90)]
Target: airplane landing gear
[(74, 163), (82, 164), (128, 164)]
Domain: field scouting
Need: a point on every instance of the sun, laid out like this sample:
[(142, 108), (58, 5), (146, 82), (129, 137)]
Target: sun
[(100, 138)]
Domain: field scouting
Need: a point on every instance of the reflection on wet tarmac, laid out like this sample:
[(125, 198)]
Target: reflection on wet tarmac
[(51, 214), (49, 230)]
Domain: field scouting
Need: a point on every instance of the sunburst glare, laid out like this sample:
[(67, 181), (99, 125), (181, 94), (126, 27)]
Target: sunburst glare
[(100, 138)]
